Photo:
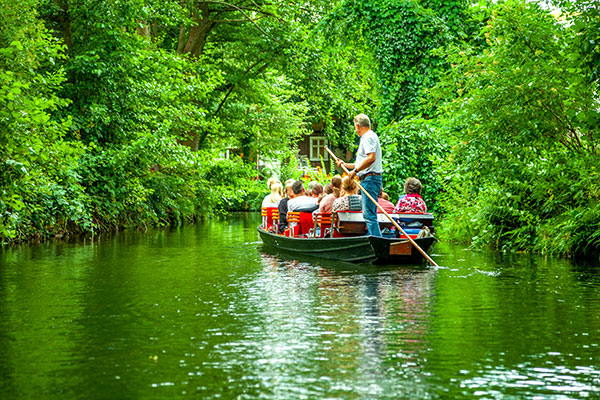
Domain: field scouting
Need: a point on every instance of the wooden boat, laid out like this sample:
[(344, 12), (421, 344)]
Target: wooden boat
[(343, 237)]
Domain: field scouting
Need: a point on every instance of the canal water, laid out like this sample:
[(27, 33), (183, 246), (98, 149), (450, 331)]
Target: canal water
[(206, 312)]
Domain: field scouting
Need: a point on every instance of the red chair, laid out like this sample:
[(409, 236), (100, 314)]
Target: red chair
[(306, 223), (275, 216), (299, 223), (293, 219), (323, 221), (268, 214)]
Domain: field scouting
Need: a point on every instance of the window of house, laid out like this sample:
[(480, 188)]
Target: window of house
[(317, 148)]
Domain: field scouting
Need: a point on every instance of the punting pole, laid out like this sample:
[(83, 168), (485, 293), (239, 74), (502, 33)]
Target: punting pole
[(386, 214)]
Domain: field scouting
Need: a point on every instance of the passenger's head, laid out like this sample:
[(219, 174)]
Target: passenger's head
[(273, 180), (328, 189), (349, 186), (336, 181), (385, 196), (276, 188), (311, 185), (321, 197), (298, 188), (412, 186), (317, 190), (288, 187)]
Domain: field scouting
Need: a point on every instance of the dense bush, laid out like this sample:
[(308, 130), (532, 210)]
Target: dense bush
[(522, 116), (39, 189), (412, 148), (89, 136)]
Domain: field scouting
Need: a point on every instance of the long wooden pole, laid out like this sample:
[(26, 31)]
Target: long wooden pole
[(411, 240)]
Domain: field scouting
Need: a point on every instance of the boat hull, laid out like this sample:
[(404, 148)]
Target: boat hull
[(355, 249)]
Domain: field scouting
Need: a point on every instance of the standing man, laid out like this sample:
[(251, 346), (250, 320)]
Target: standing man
[(368, 168)]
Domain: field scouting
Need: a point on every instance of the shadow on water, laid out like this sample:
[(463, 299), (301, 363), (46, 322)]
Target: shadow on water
[(364, 267)]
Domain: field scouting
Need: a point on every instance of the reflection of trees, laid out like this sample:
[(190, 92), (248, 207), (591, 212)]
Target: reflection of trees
[(362, 332), (39, 304), (395, 321), (80, 321)]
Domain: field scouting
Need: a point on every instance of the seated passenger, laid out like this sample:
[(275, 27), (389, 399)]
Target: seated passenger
[(301, 202), (311, 185), (328, 189), (283, 208), (273, 199), (316, 190), (326, 203), (412, 201), (385, 203), (349, 200)]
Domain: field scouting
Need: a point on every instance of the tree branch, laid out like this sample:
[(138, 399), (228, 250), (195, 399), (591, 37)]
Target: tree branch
[(232, 86), (229, 91), (243, 9), (216, 21)]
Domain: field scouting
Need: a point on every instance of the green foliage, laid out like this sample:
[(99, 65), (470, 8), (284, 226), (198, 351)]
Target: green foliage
[(99, 115), (584, 15), (335, 80), (522, 118), (120, 84), (39, 191), (231, 185), (129, 102), (412, 148), (402, 36)]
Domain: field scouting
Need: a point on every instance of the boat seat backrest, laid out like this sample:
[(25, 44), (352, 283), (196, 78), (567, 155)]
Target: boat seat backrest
[(293, 221), (299, 223), (268, 215), (323, 222)]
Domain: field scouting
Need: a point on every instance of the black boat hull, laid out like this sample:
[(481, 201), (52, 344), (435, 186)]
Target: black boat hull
[(355, 249)]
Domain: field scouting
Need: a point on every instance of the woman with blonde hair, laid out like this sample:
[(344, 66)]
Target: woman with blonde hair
[(272, 199), (273, 180)]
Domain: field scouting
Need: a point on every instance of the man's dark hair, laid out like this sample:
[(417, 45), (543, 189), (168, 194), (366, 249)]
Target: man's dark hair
[(298, 187)]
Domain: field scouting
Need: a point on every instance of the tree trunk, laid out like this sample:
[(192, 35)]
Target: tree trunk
[(143, 29), (193, 43), (65, 23)]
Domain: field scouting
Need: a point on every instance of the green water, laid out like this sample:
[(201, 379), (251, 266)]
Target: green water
[(206, 312)]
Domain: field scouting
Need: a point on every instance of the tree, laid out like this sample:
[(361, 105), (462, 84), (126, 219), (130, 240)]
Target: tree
[(39, 188), (402, 36), (522, 116)]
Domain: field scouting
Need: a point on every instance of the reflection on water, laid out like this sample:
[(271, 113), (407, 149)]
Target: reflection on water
[(348, 327), (206, 311)]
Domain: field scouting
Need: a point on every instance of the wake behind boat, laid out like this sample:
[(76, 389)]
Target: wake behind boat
[(341, 236)]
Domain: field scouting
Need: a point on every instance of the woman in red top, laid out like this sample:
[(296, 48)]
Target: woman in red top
[(412, 202)]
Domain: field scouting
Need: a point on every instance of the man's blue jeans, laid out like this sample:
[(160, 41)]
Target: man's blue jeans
[(371, 184)]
